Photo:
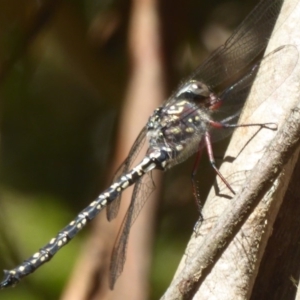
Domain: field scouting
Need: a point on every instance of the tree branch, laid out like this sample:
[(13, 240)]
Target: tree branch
[(223, 258)]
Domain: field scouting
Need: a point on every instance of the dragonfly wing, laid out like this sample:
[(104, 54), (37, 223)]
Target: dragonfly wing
[(113, 207), (274, 69), (142, 190), (244, 47)]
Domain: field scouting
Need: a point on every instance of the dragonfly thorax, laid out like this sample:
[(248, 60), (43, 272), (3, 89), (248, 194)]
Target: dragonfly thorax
[(178, 126)]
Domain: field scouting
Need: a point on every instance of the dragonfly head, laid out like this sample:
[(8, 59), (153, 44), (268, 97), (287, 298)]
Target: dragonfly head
[(193, 90), (199, 93)]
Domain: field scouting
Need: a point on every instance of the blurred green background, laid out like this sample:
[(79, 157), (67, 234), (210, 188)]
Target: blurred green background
[(63, 73)]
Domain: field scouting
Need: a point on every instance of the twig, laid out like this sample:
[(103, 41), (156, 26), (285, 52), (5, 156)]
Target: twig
[(260, 181), (223, 259), (145, 92)]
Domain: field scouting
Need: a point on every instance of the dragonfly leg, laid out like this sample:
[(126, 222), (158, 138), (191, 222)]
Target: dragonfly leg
[(212, 160), (272, 126)]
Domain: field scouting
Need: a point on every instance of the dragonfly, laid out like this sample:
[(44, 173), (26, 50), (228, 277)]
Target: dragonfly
[(205, 108)]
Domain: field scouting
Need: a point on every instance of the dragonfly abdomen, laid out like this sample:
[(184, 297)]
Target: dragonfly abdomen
[(154, 159)]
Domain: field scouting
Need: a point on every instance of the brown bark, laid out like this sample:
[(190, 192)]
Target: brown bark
[(145, 92)]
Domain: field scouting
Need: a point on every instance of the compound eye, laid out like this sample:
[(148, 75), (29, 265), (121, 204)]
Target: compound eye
[(197, 89), (194, 90)]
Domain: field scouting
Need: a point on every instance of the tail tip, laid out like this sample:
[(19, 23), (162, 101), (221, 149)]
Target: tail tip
[(9, 280)]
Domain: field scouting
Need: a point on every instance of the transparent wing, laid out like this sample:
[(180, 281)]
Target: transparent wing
[(242, 48), (246, 45), (142, 190), (274, 69), (113, 207)]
